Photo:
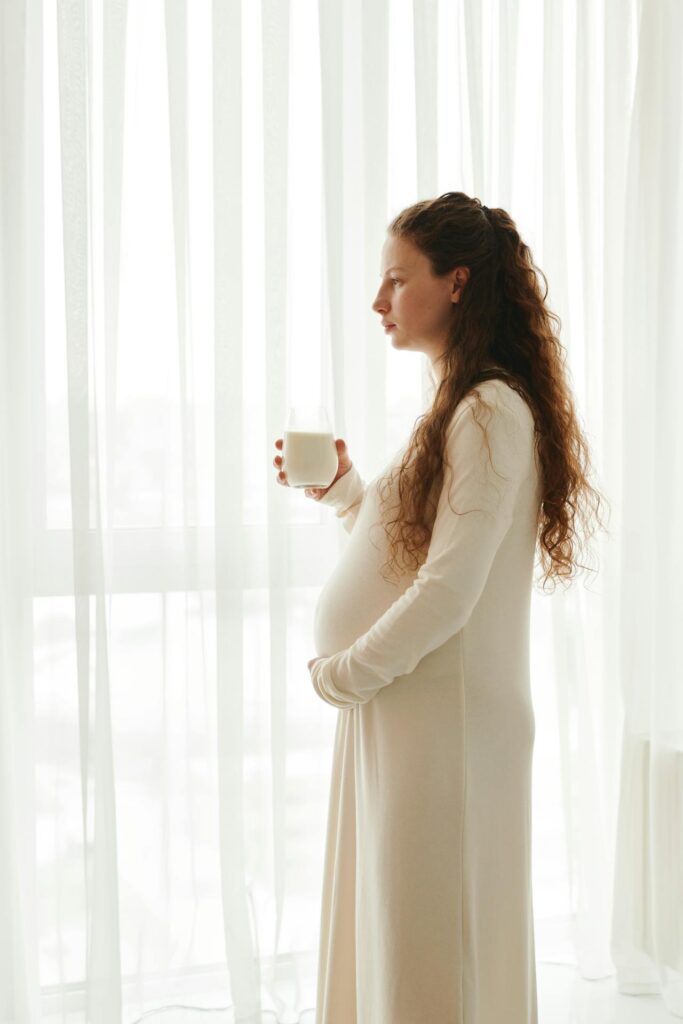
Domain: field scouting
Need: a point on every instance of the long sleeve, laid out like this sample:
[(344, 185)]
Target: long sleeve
[(439, 602), (345, 497)]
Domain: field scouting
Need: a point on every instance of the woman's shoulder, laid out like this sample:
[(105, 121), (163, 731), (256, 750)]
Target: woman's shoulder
[(501, 392), (504, 408)]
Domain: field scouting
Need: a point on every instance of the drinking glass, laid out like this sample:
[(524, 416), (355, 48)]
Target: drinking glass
[(309, 454)]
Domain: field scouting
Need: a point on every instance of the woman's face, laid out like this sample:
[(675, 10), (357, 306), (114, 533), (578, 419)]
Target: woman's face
[(416, 301)]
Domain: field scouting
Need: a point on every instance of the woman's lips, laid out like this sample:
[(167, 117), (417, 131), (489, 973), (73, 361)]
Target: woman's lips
[(389, 327)]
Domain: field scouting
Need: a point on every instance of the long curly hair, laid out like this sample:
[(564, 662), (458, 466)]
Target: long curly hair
[(501, 320)]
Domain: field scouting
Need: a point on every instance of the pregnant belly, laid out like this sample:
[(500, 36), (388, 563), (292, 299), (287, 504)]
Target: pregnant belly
[(350, 602)]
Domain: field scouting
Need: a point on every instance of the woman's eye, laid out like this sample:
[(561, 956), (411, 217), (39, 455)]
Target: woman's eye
[(394, 281)]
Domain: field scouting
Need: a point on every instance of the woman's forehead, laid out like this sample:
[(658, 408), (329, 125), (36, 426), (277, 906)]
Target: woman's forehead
[(400, 253)]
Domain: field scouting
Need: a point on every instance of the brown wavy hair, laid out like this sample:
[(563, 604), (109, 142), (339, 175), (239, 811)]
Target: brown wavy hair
[(501, 321)]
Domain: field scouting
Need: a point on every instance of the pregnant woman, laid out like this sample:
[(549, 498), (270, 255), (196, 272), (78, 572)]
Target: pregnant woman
[(422, 633)]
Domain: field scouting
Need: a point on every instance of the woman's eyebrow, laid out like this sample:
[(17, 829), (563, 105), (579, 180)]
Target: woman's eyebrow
[(393, 268)]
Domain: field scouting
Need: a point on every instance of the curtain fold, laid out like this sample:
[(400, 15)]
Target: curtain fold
[(647, 940), (20, 199), (102, 961), (275, 72), (194, 198), (228, 576)]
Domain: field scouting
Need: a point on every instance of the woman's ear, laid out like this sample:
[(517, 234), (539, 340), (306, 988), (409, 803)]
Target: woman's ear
[(460, 277)]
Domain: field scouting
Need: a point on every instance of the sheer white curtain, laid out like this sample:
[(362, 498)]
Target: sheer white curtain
[(193, 202)]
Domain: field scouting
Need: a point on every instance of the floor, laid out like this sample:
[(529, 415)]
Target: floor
[(563, 998)]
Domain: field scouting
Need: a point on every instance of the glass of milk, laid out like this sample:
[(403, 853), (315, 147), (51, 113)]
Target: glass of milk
[(309, 454)]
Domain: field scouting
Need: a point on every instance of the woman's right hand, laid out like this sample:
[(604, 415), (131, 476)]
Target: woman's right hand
[(316, 493)]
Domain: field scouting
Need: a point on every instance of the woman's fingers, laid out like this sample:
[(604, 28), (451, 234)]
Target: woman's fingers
[(277, 462)]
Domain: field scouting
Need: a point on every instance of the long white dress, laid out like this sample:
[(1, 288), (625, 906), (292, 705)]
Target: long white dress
[(427, 913)]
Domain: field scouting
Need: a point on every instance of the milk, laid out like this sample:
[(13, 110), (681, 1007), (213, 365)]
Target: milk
[(309, 458)]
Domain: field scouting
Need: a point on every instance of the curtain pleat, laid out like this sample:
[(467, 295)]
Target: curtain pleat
[(647, 941), (102, 966), (368, 362), (239, 927), (275, 45), (335, 212), (425, 37), (20, 326)]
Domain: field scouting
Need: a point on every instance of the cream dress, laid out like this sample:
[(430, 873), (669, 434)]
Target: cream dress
[(427, 914)]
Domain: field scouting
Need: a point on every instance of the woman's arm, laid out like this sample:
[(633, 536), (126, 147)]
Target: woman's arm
[(462, 548), (345, 497)]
